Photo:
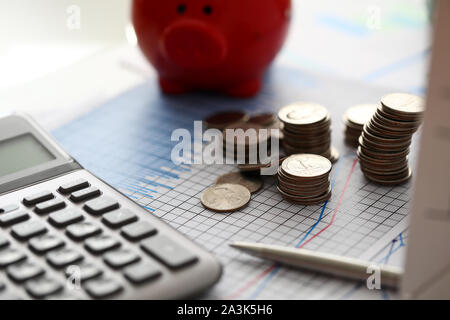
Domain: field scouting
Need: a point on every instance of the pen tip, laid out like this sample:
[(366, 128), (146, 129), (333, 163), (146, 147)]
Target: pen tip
[(234, 245), (238, 245)]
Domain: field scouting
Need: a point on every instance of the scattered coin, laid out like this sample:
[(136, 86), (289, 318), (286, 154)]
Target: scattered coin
[(253, 183), (306, 129), (304, 179), (355, 118), (222, 119), (385, 140), (225, 197)]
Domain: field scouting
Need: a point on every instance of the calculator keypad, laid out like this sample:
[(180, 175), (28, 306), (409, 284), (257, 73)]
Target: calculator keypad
[(73, 186), (119, 218), (8, 208), (64, 218), (9, 219), (10, 256), (24, 271), (29, 229), (43, 287), (45, 243), (101, 205), (36, 198), (89, 237), (85, 194), (83, 230), (138, 231), (49, 206)]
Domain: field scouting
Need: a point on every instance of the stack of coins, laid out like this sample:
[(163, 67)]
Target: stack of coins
[(354, 119), (306, 129), (304, 179), (239, 142), (385, 140)]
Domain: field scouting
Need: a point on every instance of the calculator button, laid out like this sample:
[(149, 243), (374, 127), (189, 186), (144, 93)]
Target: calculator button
[(101, 205), (50, 206), (10, 256), (63, 258), (82, 230), (27, 230), (45, 243), (102, 288), (142, 272), (121, 258), (119, 218), (8, 208), (101, 244), (168, 252), (11, 218), (73, 186), (3, 242), (84, 271), (33, 199), (24, 271), (43, 287), (64, 218), (85, 194), (138, 231)]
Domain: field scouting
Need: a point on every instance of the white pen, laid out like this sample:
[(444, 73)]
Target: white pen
[(340, 266)]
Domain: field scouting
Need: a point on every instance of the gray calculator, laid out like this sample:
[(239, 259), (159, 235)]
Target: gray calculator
[(66, 234)]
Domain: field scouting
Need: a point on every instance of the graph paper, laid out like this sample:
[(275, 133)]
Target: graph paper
[(127, 142)]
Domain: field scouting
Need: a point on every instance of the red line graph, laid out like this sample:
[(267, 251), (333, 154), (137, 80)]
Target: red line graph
[(269, 269)]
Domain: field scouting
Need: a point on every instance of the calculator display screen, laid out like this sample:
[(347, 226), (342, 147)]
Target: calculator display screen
[(22, 152)]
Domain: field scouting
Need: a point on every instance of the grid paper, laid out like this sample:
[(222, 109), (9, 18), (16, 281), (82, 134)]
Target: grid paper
[(127, 143)]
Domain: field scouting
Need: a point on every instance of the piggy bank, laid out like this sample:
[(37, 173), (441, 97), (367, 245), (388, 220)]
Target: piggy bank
[(212, 45)]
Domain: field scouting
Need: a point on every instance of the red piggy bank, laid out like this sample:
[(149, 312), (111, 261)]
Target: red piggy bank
[(214, 45)]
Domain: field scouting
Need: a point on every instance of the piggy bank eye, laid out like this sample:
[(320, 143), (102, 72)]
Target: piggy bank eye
[(181, 8), (207, 10)]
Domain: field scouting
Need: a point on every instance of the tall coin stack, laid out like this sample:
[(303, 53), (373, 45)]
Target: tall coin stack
[(354, 119), (304, 179), (306, 129), (386, 138)]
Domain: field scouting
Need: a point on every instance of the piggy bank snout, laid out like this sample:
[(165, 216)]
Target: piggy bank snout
[(193, 44)]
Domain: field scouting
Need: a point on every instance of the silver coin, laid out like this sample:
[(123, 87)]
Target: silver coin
[(225, 197)]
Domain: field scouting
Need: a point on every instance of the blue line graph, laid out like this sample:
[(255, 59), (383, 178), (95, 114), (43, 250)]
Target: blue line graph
[(264, 283), (385, 259)]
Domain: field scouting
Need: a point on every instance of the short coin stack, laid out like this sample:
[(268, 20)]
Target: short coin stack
[(354, 119), (306, 129), (385, 140), (304, 179)]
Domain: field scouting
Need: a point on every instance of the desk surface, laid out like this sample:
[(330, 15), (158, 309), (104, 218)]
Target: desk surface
[(361, 59)]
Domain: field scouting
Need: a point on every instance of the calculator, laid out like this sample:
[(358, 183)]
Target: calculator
[(66, 234)]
